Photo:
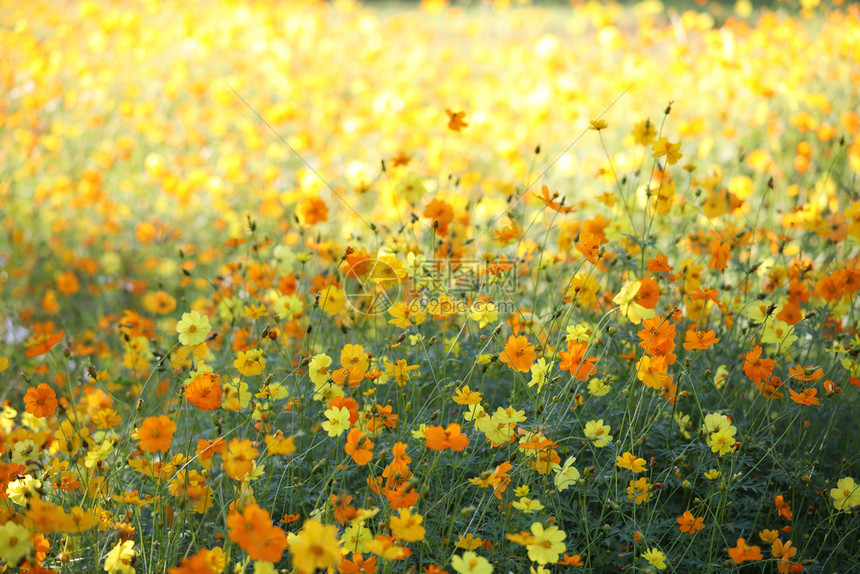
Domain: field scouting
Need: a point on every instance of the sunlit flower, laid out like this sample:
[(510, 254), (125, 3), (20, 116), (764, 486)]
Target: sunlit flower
[(471, 563), (120, 559), (193, 328)]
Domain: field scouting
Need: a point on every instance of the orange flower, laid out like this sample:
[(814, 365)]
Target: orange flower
[(783, 507), (806, 397), (701, 294), (455, 120), (784, 553), (657, 336), (575, 361), (360, 453), (252, 530), (755, 367), (575, 560), (689, 523), (206, 449), (312, 210), (743, 552), (450, 437), (438, 210), (358, 565), (659, 264), (41, 343), (589, 245), (720, 255), (806, 374), (239, 458), (550, 201), (699, 340), (518, 354), (41, 401), (204, 392), (156, 433)]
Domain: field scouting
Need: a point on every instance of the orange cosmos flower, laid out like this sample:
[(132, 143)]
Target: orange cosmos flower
[(659, 264), (360, 453), (41, 343), (518, 354), (156, 433), (806, 397), (755, 367), (358, 565), (204, 392), (575, 560), (575, 361), (699, 340), (252, 530), (720, 255), (456, 120), (589, 245), (806, 374), (689, 523), (442, 212), (439, 438), (550, 201), (784, 553), (41, 401), (701, 294), (239, 458), (743, 552), (312, 210), (783, 507)]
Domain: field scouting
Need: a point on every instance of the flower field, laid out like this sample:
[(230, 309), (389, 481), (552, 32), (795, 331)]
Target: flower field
[(428, 287)]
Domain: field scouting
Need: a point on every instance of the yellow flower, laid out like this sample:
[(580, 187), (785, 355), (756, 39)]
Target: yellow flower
[(317, 546), (663, 147), (779, 333), (846, 495), (598, 433), (337, 421), (540, 371), (355, 538), (644, 132), (483, 313), (318, 369), (723, 441), (546, 544), (567, 475), (471, 563), (713, 474), (631, 462), (528, 505), (407, 526), (407, 314), (630, 309), (721, 376), (597, 387), (639, 491), (655, 558), (15, 543), (250, 363), (119, 559), (193, 328)]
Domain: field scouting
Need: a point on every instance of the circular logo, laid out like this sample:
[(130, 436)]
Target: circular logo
[(371, 286)]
